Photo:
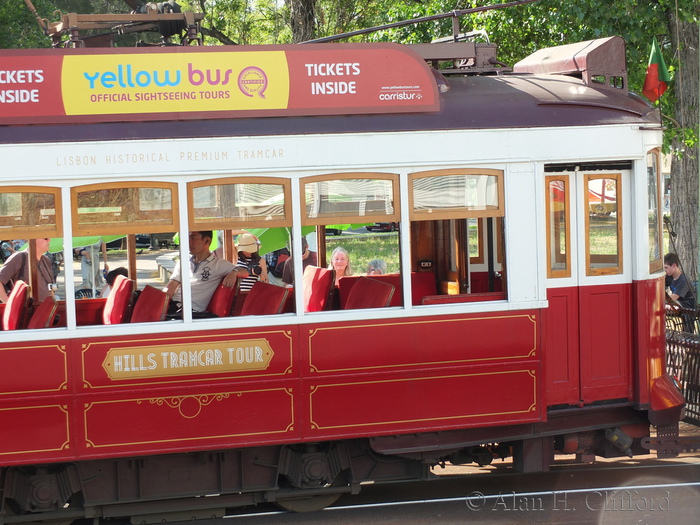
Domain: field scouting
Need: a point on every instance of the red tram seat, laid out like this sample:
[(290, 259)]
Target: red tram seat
[(422, 284), (16, 309), (369, 293), (151, 306), (222, 300), (265, 299), (43, 317), (318, 288), (118, 303)]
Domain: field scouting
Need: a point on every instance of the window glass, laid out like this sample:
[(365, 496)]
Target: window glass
[(29, 212), (456, 194), (238, 203), (653, 213), (558, 252), (603, 225), (139, 207), (337, 199)]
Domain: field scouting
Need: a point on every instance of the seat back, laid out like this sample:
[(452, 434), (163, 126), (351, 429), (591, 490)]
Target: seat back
[(151, 306), (118, 305), (221, 302), (369, 293), (16, 309), (265, 299), (318, 288), (44, 316)]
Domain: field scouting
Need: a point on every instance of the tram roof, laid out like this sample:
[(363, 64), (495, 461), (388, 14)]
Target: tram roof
[(472, 102)]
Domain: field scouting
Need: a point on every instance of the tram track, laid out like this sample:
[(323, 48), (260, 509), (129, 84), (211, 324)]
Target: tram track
[(622, 485)]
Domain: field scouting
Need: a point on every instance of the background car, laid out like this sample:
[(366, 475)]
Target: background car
[(384, 227)]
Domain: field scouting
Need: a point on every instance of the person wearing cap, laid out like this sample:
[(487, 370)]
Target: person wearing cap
[(308, 259), (251, 266), (207, 272)]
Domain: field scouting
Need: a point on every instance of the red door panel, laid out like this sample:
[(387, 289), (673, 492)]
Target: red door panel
[(562, 346), (605, 342)]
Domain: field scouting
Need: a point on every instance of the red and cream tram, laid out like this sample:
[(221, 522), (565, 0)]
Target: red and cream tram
[(524, 316)]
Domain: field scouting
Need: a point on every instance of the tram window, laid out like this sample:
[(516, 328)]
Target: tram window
[(456, 224), (129, 208), (363, 199), (558, 233), (344, 204), (257, 212), (239, 203), (30, 212), (603, 225), (653, 212)]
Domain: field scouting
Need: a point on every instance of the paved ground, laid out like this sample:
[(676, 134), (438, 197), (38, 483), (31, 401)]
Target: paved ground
[(146, 267)]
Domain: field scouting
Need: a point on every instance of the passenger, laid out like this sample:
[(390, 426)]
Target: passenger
[(376, 267), (7, 250), (89, 267), (207, 272), (677, 285), (251, 266), (340, 262), (110, 277), (17, 268), (308, 259)]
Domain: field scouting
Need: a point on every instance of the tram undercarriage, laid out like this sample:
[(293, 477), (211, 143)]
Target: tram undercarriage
[(301, 477)]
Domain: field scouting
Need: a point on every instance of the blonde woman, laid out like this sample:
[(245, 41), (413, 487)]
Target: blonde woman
[(340, 262)]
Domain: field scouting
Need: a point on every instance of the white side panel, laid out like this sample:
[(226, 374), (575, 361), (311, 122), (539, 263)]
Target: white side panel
[(318, 153), (523, 238)]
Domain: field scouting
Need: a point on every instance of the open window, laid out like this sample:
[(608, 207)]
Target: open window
[(111, 223), (456, 232), (234, 207), (31, 222), (340, 202)]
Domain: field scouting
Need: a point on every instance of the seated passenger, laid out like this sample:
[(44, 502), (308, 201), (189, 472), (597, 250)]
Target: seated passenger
[(110, 277), (308, 259), (376, 267), (340, 262), (251, 266), (16, 268), (207, 270)]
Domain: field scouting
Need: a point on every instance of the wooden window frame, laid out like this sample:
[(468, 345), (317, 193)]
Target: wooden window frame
[(460, 213), (36, 232), (657, 264), (551, 272), (120, 229), (246, 222), (608, 270), (344, 219)]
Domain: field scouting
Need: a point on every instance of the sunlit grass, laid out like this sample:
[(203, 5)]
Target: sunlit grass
[(363, 248)]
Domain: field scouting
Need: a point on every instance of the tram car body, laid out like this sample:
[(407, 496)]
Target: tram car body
[(543, 340)]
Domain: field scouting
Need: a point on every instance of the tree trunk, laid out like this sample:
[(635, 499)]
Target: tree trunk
[(684, 167), (302, 14)]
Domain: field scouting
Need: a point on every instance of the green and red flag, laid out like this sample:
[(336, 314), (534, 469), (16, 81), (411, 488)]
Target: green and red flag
[(657, 78)]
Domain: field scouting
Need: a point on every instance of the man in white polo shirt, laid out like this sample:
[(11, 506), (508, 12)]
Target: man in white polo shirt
[(207, 271)]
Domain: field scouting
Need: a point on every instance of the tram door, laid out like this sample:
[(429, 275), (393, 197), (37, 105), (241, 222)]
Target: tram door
[(588, 323)]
